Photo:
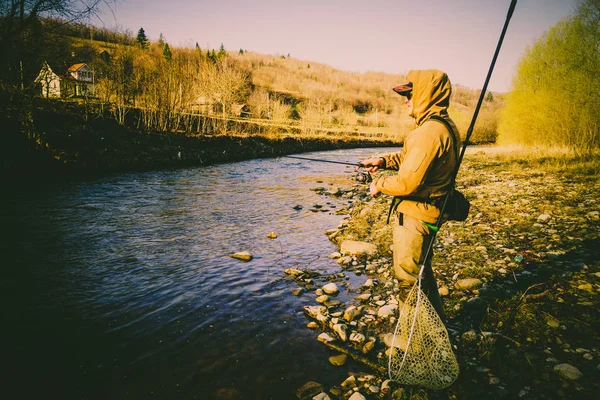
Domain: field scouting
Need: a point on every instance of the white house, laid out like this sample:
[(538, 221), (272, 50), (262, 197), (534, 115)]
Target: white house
[(77, 81)]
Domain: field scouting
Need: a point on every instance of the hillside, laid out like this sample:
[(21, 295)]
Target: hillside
[(276, 93)]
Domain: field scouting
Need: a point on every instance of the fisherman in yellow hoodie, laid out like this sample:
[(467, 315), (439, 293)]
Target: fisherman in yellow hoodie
[(425, 171)]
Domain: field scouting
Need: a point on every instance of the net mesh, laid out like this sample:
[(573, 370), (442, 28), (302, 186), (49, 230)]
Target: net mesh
[(421, 353)]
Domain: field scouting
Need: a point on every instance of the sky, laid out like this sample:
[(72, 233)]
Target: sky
[(458, 37)]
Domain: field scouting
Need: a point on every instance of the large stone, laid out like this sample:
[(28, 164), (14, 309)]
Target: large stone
[(355, 247), (568, 371)]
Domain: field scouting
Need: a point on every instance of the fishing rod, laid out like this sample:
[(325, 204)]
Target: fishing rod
[(361, 176), (358, 165), (436, 227)]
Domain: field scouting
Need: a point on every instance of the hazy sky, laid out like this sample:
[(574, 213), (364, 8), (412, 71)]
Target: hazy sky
[(456, 36)]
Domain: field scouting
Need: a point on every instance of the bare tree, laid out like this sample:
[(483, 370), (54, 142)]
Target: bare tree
[(17, 17)]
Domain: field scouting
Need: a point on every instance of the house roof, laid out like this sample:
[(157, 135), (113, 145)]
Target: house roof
[(76, 67)]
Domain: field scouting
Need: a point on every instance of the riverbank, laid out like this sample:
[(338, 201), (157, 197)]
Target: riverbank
[(50, 138), (519, 279)]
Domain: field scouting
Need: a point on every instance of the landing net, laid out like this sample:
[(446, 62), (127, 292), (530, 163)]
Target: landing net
[(421, 353)]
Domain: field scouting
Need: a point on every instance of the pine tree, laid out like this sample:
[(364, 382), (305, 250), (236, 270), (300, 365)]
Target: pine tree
[(167, 52), (161, 39), (142, 39), (222, 52)]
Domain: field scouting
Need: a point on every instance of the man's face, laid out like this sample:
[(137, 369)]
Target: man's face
[(409, 105)]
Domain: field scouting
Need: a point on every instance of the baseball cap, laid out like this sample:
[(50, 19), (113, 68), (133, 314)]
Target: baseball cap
[(404, 90)]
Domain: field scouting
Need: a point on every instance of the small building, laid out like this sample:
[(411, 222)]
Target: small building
[(76, 81)]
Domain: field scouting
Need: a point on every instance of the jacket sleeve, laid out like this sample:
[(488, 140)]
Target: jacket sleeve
[(412, 171), (394, 160)]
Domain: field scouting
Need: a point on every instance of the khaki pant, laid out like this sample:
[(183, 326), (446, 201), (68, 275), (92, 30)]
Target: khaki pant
[(410, 242), (411, 239)]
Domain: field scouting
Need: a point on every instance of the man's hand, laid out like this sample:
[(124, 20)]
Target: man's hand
[(372, 164), (373, 190)]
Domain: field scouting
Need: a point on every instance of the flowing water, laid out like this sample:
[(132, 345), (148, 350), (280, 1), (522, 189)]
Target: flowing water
[(122, 286)]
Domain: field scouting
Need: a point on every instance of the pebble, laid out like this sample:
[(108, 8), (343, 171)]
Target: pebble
[(242, 256), (357, 396), (468, 283), (331, 289)]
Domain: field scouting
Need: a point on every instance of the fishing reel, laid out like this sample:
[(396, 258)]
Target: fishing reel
[(363, 177)]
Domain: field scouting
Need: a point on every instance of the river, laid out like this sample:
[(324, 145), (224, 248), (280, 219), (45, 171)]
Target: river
[(122, 286)]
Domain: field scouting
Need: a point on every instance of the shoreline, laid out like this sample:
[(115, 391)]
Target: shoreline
[(518, 280)]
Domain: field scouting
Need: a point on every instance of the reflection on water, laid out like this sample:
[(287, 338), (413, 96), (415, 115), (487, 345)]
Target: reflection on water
[(123, 286)]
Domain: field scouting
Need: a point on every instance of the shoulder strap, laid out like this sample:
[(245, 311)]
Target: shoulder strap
[(449, 127)]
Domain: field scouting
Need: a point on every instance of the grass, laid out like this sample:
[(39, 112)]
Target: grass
[(536, 214)]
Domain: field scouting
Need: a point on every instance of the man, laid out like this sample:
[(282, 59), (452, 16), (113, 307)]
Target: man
[(425, 172)]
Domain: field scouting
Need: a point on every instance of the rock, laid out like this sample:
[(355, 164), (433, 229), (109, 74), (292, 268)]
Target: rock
[(334, 191), (368, 346), (387, 311), (344, 260), (293, 272), (298, 207), (272, 235), (568, 371), (469, 283), (309, 390), (297, 291), (325, 338), (335, 255), (332, 303), (322, 299), (242, 255), (331, 289), (543, 217), (338, 360), (312, 325), (315, 311), (357, 338), (443, 291), (586, 286), (321, 396), (398, 342), (552, 322), (351, 313), (369, 283), (385, 386), (341, 330), (357, 396), (469, 336), (363, 297), (494, 380), (350, 382), (354, 247)]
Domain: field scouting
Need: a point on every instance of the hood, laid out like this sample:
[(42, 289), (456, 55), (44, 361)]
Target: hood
[(430, 94)]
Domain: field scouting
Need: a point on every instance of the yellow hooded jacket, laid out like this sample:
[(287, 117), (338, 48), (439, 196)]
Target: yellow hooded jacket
[(427, 160)]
